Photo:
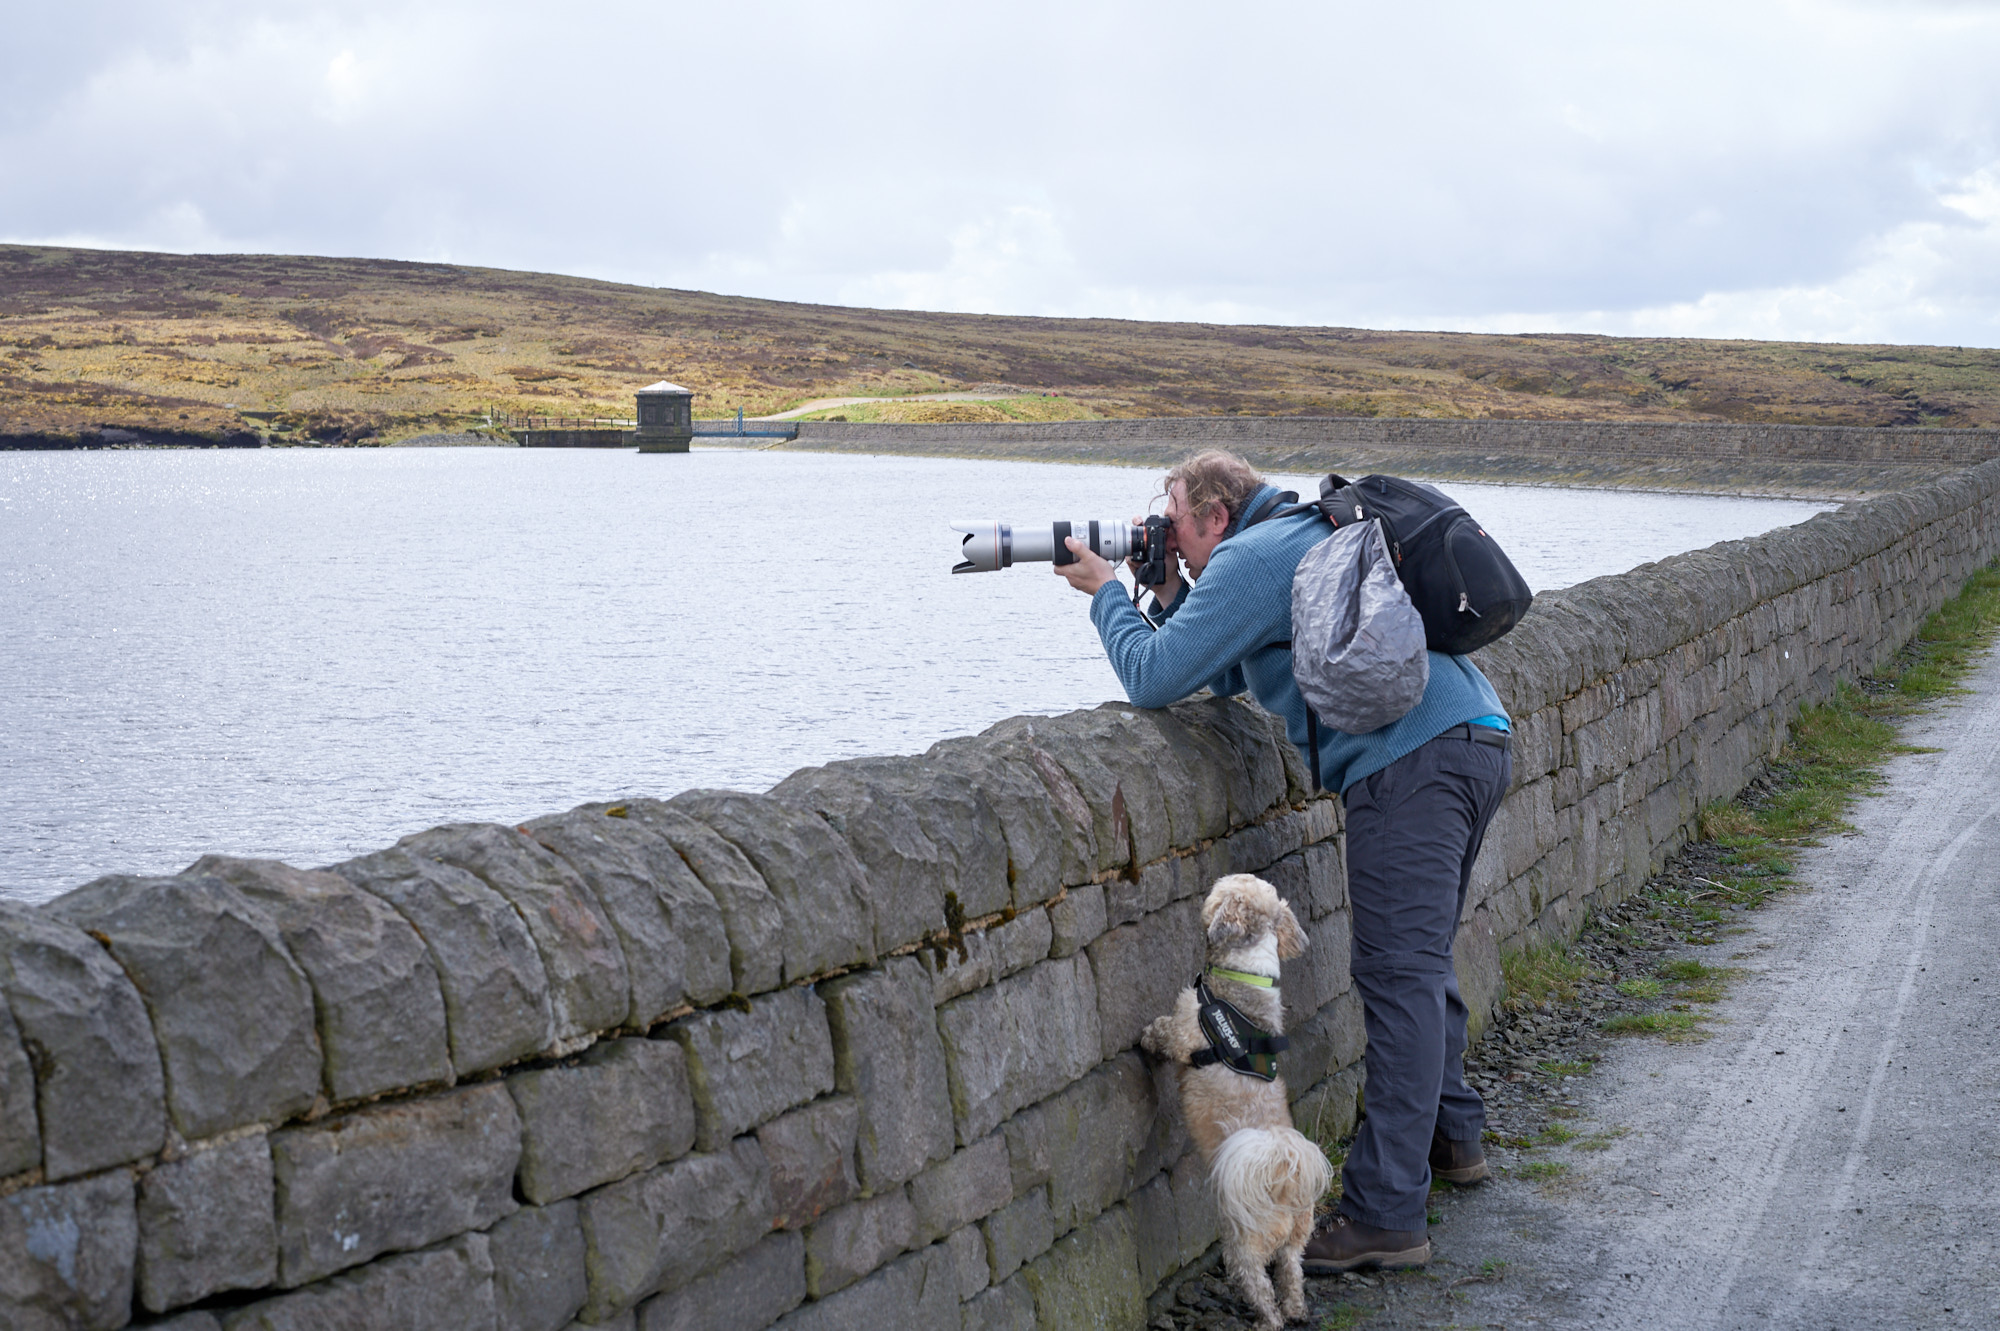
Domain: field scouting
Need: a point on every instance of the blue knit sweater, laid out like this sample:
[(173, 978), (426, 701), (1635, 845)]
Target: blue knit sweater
[(1218, 634)]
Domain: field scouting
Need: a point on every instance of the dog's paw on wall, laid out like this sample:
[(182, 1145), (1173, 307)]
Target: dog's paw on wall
[(1266, 1174)]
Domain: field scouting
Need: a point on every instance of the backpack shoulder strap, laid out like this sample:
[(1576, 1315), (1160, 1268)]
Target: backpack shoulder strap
[(1273, 506)]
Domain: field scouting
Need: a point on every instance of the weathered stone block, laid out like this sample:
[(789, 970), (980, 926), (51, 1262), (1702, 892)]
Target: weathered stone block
[(397, 1176), (1321, 973), (1008, 1307), (1536, 743), (66, 1254), (1043, 817), (1192, 799), (588, 987), (1127, 810), (1195, 1211), (1312, 881), (1128, 827), (1076, 920), (496, 993), (1018, 1232), (663, 1228), (747, 1067), (380, 1010), (917, 1291), (1200, 759), (1090, 1278), (1254, 849), (191, 1321), (231, 1010), (625, 1321), (1020, 942), (919, 832), (1476, 955), (811, 1152), (20, 1134), (749, 1294), (822, 890), (1326, 876), (446, 1288), (538, 1282), (969, 1186), (1311, 1056), (1256, 774), (1199, 870), (750, 913), (1344, 1027), (967, 1250), (676, 945), (1140, 968), (1095, 1141), (622, 1106), (100, 1094), (1155, 1231), (1020, 1040), (1128, 898), (1329, 1111), (846, 1244), (889, 1056), (207, 1223), (991, 954)]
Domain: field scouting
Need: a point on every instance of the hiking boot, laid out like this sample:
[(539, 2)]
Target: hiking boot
[(1345, 1244), (1462, 1163)]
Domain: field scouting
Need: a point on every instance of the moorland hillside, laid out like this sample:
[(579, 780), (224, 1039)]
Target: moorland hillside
[(370, 350)]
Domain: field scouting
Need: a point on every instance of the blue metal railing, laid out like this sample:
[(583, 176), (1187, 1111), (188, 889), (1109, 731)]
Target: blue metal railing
[(738, 432)]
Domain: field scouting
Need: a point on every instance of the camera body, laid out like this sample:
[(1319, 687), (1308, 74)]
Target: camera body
[(988, 546)]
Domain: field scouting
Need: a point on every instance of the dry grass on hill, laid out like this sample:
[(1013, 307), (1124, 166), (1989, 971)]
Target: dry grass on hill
[(350, 349)]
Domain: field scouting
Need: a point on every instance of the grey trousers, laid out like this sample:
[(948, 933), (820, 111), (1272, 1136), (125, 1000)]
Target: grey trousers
[(1413, 830)]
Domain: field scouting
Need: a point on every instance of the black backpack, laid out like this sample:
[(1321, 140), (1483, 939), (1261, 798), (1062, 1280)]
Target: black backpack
[(1464, 587)]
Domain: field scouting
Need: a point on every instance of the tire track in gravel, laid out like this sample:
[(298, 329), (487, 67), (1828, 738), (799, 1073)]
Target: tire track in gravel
[(1749, 1192), (1842, 1183)]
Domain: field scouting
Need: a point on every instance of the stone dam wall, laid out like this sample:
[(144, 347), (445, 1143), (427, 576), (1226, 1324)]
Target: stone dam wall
[(1810, 461), (856, 1053)]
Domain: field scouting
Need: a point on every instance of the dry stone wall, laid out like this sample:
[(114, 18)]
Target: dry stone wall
[(859, 1052), (1803, 443), (1813, 461)]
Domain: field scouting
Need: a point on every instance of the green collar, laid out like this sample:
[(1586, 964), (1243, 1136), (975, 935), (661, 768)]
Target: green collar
[(1242, 977)]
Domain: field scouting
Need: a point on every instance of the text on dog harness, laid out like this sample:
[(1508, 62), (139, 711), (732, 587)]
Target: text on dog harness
[(1233, 1039)]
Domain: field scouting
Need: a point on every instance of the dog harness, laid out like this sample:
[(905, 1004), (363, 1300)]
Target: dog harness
[(1233, 1039)]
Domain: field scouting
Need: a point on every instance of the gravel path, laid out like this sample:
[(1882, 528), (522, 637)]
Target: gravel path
[(1822, 1160)]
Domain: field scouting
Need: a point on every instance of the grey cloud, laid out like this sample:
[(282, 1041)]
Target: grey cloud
[(1340, 163)]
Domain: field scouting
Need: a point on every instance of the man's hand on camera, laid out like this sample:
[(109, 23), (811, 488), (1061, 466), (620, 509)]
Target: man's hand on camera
[(1090, 571), (1168, 588)]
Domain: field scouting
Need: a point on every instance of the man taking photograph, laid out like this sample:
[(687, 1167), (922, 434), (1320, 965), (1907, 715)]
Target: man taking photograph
[(1419, 794)]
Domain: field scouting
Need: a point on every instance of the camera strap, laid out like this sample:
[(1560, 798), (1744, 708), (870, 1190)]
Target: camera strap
[(1234, 1041)]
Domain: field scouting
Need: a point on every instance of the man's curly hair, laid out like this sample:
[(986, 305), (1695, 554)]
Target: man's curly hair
[(1215, 477)]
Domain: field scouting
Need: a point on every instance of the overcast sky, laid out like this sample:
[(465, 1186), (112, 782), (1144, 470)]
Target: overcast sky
[(1787, 170)]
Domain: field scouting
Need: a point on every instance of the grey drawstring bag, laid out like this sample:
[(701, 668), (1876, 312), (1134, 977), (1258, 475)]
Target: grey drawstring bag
[(1357, 642)]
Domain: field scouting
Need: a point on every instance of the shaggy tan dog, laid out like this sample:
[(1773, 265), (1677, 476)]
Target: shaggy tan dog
[(1267, 1176)]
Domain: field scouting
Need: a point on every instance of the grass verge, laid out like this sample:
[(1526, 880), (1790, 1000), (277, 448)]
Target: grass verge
[(1833, 757), (1837, 747)]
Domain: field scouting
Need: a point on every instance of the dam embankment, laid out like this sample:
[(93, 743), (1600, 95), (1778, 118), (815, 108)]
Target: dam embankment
[(1801, 461), (859, 1051)]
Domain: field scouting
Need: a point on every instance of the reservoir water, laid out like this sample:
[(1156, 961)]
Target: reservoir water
[(307, 654)]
